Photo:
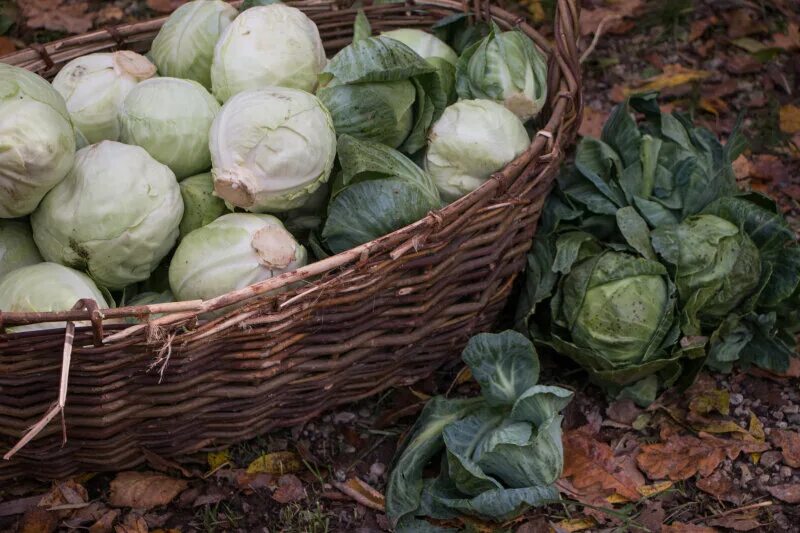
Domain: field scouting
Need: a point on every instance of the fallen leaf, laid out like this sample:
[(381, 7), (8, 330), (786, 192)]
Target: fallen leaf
[(536, 11), (769, 167), (362, 493), (789, 40), (592, 123), (57, 15), (276, 463), (165, 6), (720, 485), (709, 401), (144, 490), (789, 443), (736, 522), (742, 64), (652, 516), (576, 524), (594, 470), (7, 46), (256, 481), (623, 411), (648, 491), (756, 428), (790, 119), (132, 523), (613, 14), (742, 167), (673, 75), (682, 456), (742, 22), (789, 493), (290, 489), (38, 520), (105, 524), (699, 27), (217, 459), (110, 15), (680, 527)]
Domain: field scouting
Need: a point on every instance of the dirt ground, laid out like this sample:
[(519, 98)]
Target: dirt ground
[(724, 456)]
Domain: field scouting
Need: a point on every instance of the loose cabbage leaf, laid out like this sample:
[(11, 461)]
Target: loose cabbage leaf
[(504, 365), (361, 28)]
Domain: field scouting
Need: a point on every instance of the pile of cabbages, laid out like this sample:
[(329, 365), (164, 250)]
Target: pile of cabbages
[(235, 151)]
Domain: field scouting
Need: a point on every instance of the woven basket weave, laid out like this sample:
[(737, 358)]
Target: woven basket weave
[(386, 313)]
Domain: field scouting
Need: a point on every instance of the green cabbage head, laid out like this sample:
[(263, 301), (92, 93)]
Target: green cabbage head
[(114, 216), (506, 67), (717, 266), (184, 47), (434, 51), (274, 45), (94, 87), (271, 149), (17, 248), (234, 251), (472, 140), (200, 206), (47, 287), (37, 140), (170, 118)]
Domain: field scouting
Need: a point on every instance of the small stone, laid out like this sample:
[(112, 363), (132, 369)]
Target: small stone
[(786, 472), (340, 475), (377, 469), (781, 425), (364, 412), (777, 415), (740, 411), (770, 458), (345, 417), (763, 479), (327, 418), (775, 479), (756, 403), (791, 409), (746, 475), (794, 419), (736, 399), (347, 448)]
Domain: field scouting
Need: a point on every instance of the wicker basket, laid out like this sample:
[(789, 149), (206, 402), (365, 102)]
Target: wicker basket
[(386, 313)]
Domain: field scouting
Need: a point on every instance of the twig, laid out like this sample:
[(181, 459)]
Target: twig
[(597, 33), (373, 499), (757, 505)]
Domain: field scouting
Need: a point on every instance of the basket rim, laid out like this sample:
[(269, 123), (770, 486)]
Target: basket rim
[(400, 241)]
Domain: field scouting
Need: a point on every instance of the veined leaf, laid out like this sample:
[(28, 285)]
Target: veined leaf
[(504, 364)]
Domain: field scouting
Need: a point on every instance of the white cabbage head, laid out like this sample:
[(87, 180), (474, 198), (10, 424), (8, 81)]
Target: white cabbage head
[(37, 140), (234, 251), (17, 248), (267, 45), (472, 140), (94, 87), (424, 44), (184, 47), (47, 287), (170, 118), (115, 215), (200, 205), (271, 149)]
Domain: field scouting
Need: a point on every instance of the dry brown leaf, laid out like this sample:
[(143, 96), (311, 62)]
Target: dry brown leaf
[(709, 401), (789, 443), (7, 46), (132, 523), (680, 527), (743, 22), (38, 520), (57, 15), (144, 490), (105, 524), (362, 493), (165, 6), (276, 463), (592, 123), (623, 411), (290, 489), (699, 27), (742, 167), (682, 456), (594, 471), (572, 525), (790, 119), (672, 76), (789, 40), (720, 485), (789, 493), (736, 522), (713, 105), (613, 14), (110, 15), (768, 167)]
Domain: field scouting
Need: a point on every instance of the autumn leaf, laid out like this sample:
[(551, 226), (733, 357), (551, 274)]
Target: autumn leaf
[(790, 119), (789, 443), (742, 167), (680, 527), (276, 463), (7, 46), (708, 401), (105, 524), (590, 19), (133, 523), (736, 522), (217, 459), (57, 15), (789, 493), (720, 485), (290, 489), (592, 123), (38, 520), (789, 40), (571, 525), (362, 493), (673, 75), (699, 27), (682, 456), (144, 490), (593, 470), (165, 6)]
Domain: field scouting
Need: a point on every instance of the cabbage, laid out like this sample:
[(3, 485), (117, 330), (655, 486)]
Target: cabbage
[(94, 87), (37, 140), (115, 215), (505, 67), (234, 251), (377, 89), (170, 118), (273, 45), (434, 51), (17, 248), (47, 287), (472, 140), (184, 47), (200, 206), (271, 149)]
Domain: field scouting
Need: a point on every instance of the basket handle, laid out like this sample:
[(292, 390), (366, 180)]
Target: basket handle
[(566, 36)]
